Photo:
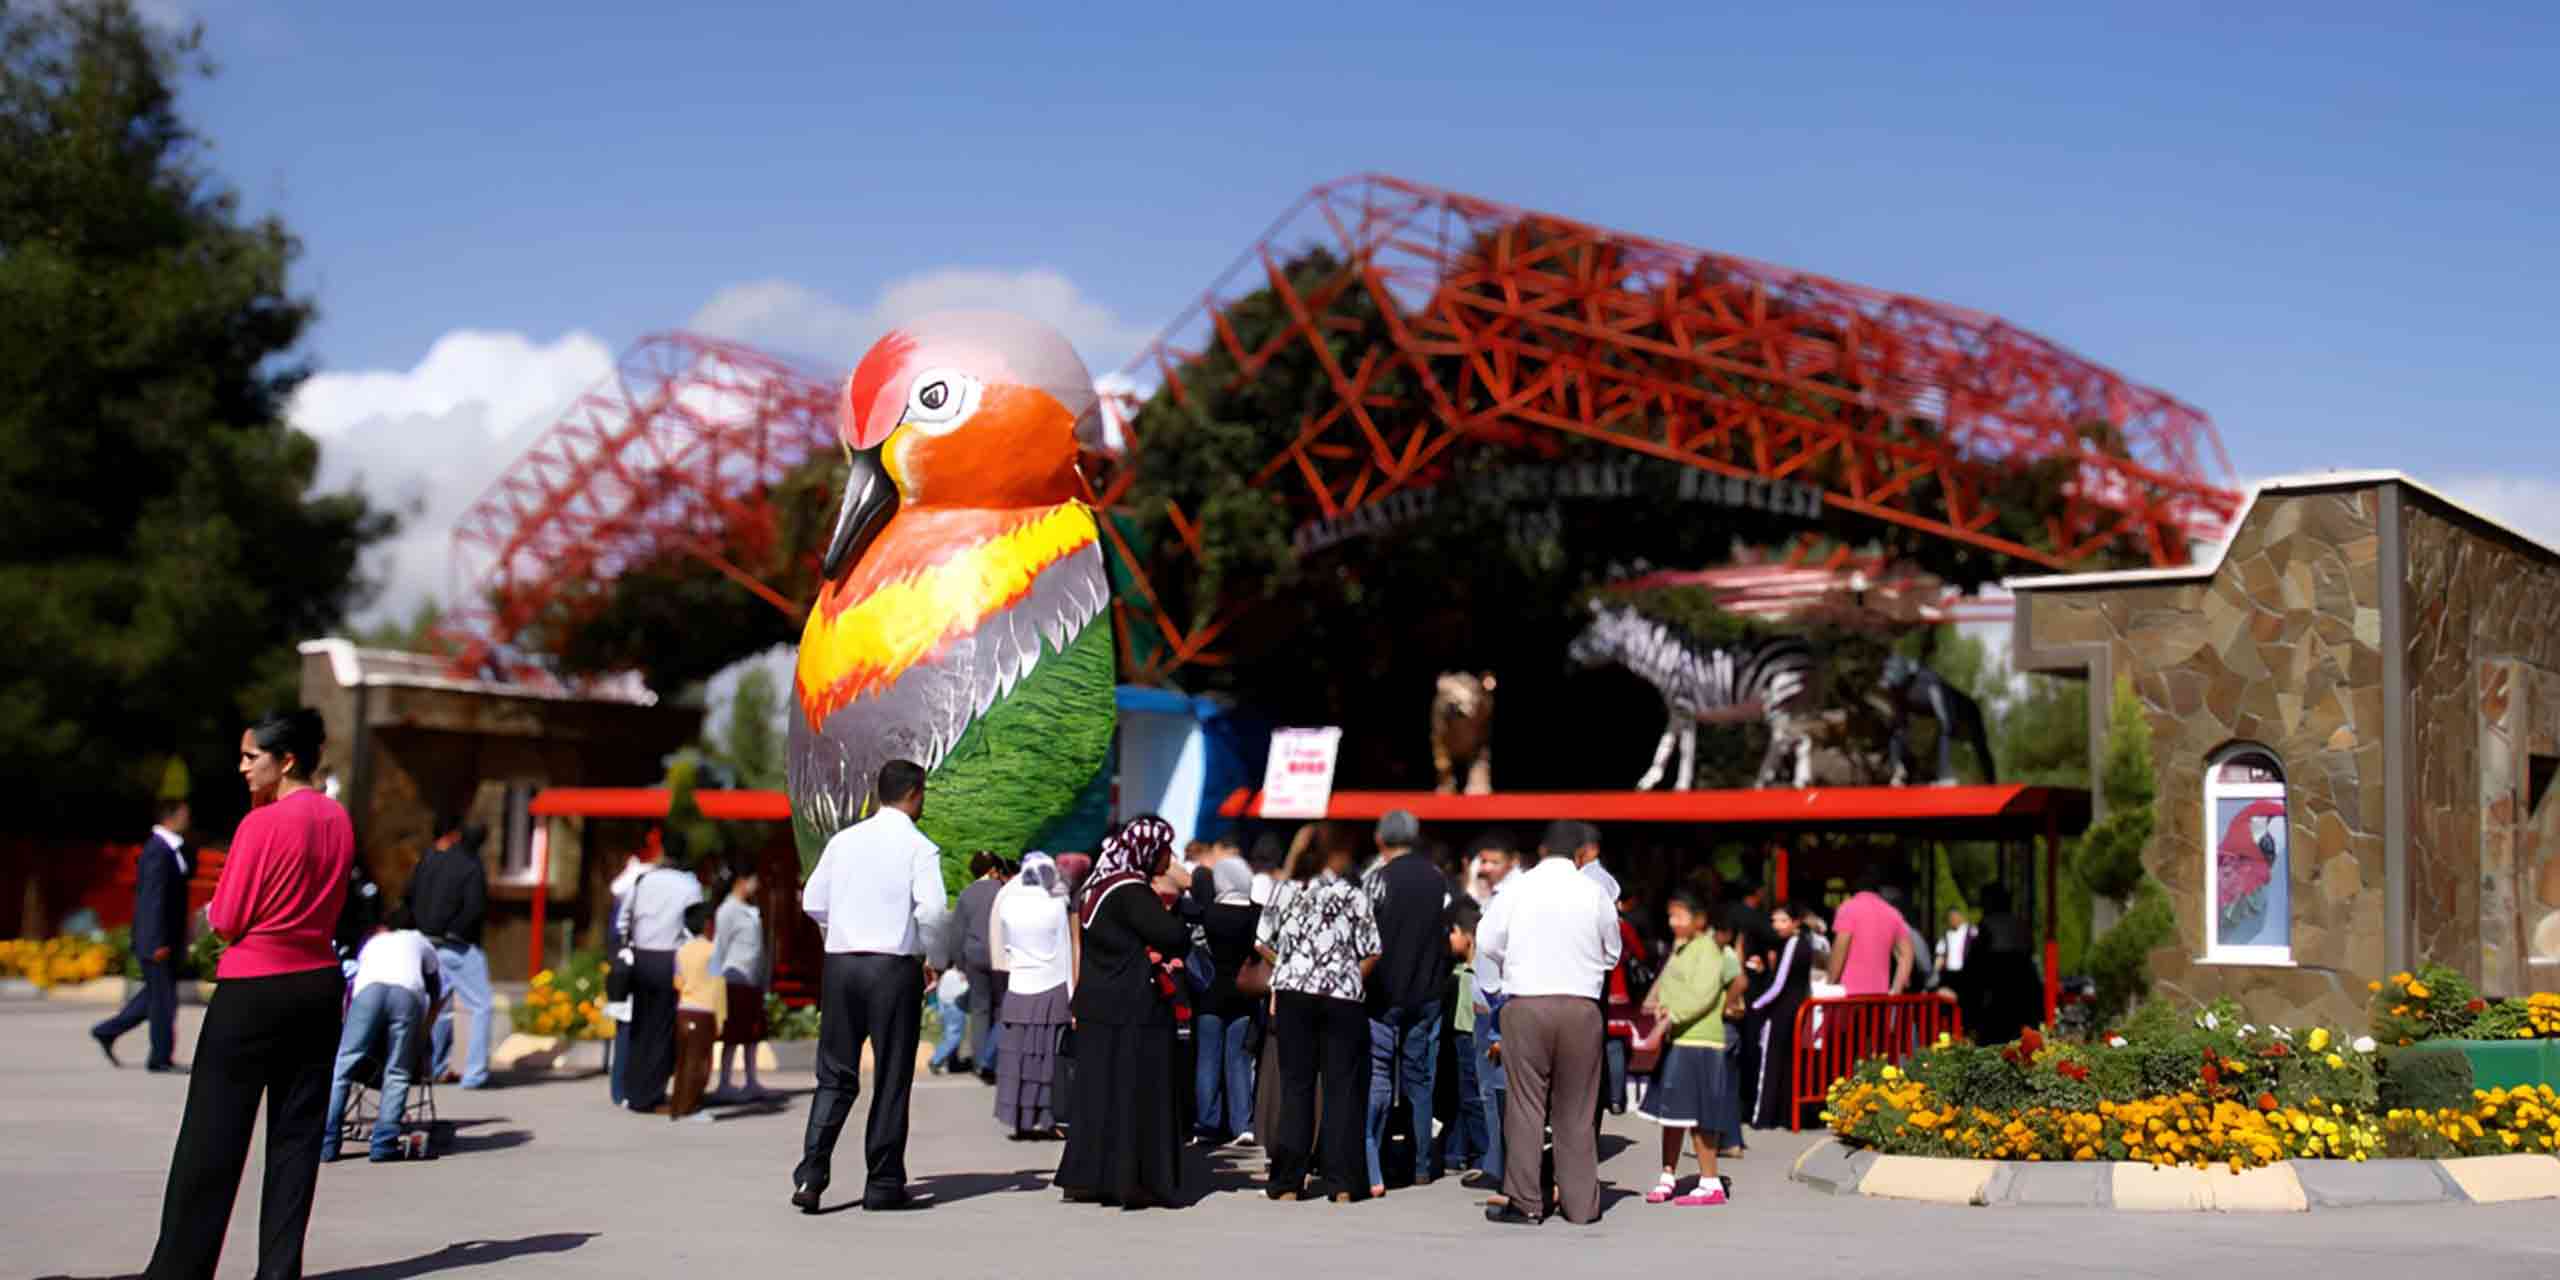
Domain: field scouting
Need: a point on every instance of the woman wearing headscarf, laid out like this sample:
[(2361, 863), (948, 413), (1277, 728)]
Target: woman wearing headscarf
[(1223, 1080), (1028, 941), (1125, 1147)]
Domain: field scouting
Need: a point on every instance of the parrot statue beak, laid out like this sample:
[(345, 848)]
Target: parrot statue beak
[(869, 500)]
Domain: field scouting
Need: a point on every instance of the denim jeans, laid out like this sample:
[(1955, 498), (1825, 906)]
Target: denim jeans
[(955, 1026), (1223, 1079), (1490, 1080), (393, 1014), (1404, 1057), (1613, 1076), (1462, 1142), (466, 975)]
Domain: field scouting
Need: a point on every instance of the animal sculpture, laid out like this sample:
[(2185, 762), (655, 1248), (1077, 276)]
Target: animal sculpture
[(960, 618), (1462, 732), (1773, 680), (1911, 688)]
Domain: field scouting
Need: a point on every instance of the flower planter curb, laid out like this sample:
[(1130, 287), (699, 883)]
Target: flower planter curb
[(20, 989), (2498, 1179), (2287, 1186)]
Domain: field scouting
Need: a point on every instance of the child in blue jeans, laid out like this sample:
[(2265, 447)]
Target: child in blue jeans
[(950, 997)]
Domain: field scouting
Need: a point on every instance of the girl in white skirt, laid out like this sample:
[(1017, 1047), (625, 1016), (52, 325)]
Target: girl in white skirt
[(1692, 1093)]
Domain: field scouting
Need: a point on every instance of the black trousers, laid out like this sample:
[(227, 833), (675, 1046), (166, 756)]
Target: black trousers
[(1322, 1040), (653, 1030), (263, 1038), (157, 1003), (865, 996)]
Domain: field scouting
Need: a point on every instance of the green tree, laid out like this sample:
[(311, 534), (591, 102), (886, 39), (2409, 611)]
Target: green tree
[(751, 741), (2109, 863), (161, 548)]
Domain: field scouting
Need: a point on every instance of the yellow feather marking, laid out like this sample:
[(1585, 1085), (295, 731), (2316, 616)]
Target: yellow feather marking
[(871, 642)]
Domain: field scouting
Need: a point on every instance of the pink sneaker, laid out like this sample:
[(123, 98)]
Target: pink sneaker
[(1662, 1192), (1708, 1192)]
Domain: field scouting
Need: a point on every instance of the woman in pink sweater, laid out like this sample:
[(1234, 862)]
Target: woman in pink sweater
[(272, 1029)]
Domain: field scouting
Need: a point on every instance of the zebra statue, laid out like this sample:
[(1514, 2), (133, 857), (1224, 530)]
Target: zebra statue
[(1773, 679)]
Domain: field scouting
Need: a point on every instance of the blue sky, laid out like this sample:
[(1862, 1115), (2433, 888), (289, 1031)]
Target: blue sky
[(2331, 227)]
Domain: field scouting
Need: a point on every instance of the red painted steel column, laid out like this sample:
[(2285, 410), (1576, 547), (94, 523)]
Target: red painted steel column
[(2052, 948), (1778, 877)]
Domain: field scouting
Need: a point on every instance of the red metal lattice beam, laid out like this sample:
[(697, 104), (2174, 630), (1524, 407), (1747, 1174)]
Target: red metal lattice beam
[(673, 454), (1528, 329)]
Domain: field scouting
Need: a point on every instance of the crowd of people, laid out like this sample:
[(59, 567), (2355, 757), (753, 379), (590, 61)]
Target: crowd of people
[(1372, 1012)]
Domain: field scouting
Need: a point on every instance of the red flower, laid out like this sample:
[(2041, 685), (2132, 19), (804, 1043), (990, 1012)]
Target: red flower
[(2266, 1102), (2212, 1074), (2031, 1040), (2477, 1004), (2071, 1070)]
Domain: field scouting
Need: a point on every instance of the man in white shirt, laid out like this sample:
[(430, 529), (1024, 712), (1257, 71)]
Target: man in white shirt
[(396, 981), (1493, 860), (877, 892), (1553, 936)]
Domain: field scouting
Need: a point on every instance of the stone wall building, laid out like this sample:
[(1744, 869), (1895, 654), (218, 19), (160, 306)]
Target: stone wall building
[(2355, 716), (408, 742)]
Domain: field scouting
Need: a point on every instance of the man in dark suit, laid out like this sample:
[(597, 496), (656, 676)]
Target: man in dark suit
[(159, 940)]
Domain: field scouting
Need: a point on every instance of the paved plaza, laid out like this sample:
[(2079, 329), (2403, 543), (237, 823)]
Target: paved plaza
[(547, 1179)]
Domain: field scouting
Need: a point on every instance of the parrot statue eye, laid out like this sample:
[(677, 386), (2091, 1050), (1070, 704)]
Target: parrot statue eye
[(940, 400)]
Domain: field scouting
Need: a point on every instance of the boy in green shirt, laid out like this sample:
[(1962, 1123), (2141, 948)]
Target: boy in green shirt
[(1693, 1093)]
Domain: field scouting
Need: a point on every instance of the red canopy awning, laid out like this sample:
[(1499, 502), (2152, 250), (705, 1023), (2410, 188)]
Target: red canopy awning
[(1977, 812), (651, 802)]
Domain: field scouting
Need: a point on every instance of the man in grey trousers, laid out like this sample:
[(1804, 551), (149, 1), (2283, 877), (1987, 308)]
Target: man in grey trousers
[(1554, 936)]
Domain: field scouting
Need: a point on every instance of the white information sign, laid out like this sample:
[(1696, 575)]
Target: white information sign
[(1298, 781)]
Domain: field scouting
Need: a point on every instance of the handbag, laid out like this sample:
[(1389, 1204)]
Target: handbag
[(617, 974), (1253, 977)]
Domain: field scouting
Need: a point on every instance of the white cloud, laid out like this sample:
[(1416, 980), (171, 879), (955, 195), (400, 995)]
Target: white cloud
[(428, 441), (789, 317), (2530, 505)]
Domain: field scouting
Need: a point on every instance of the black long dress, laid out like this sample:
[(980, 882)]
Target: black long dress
[(1773, 1025), (1125, 1146)]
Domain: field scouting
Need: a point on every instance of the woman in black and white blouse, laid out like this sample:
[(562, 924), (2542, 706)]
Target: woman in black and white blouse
[(1322, 939)]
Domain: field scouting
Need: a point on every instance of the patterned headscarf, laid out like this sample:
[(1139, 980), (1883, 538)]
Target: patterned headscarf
[(1132, 856)]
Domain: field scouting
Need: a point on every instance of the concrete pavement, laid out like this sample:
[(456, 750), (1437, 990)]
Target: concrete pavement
[(547, 1179)]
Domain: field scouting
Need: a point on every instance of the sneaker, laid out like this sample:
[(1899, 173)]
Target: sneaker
[(1245, 1139), (1709, 1194)]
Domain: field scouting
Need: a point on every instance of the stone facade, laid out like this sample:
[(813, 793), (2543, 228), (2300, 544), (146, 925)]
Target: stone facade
[(2484, 693), (2288, 641), (2282, 648), (408, 744)]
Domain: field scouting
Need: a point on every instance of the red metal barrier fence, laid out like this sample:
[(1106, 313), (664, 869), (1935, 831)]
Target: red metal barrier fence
[(1834, 1035)]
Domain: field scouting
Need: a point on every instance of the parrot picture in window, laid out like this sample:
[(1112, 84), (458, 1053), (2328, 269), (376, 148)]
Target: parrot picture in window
[(960, 620), (2246, 861)]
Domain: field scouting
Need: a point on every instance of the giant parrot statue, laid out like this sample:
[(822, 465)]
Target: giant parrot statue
[(961, 614)]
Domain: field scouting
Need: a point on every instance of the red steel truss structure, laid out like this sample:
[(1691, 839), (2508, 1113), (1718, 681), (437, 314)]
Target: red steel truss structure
[(1526, 328), (1520, 329), (672, 455)]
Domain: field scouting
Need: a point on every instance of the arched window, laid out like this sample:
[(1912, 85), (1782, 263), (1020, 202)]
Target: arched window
[(2248, 866)]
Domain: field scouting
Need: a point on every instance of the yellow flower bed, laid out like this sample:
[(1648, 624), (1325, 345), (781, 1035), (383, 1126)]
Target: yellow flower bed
[(566, 1002), (52, 962), (1901, 1116), (2499, 1121)]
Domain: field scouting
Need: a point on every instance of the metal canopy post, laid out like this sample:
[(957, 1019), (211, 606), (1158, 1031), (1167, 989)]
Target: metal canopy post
[(2052, 946)]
